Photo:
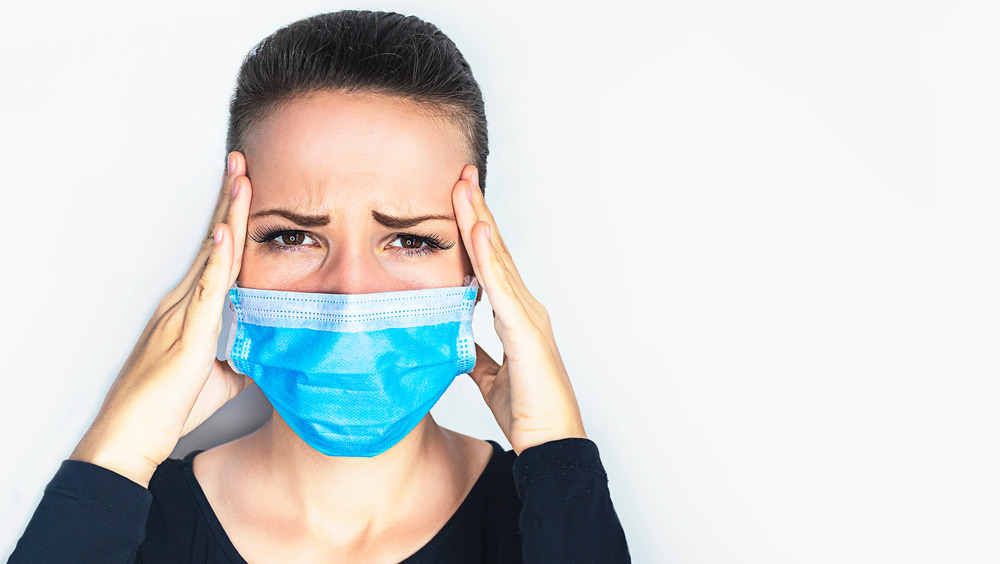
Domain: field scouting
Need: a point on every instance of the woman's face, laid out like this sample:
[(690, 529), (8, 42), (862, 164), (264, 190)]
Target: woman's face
[(352, 195)]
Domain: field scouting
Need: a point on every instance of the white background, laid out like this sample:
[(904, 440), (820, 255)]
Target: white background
[(766, 233)]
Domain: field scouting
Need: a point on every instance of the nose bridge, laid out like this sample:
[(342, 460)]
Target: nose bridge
[(352, 266)]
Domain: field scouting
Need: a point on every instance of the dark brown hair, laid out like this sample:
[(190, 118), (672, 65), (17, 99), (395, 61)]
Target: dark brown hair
[(362, 51)]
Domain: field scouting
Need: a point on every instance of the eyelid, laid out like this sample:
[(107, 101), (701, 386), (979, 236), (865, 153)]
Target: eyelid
[(433, 241), (266, 235), (398, 236)]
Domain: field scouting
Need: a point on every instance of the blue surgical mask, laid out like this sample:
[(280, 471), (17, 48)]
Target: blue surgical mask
[(352, 374)]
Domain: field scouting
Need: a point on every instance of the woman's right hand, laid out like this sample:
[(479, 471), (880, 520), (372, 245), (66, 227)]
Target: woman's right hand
[(172, 381)]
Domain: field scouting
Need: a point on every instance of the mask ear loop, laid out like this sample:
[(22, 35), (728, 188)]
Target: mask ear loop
[(466, 341), (472, 282), (231, 339)]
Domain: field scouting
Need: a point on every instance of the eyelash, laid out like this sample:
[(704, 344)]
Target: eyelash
[(267, 235)]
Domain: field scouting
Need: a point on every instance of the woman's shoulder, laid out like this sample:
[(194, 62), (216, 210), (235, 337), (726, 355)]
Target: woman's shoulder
[(170, 481), (489, 469), (179, 523), (174, 477), (501, 462), (497, 478)]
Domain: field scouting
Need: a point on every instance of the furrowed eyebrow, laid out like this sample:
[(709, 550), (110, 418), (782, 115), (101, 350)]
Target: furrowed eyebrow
[(390, 221), (393, 222), (302, 220)]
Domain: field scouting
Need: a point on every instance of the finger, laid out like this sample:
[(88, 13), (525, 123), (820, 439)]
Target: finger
[(239, 210), (197, 265), (229, 381), (235, 168), (218, 215), (223, 384), (484, 372), (483, 213), (466, 215), (505, 352), (203, 319), (500, 285), (235, 382)]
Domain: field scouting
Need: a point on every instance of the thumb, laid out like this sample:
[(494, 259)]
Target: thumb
[(222, 385), (231, 381), (485, 371)]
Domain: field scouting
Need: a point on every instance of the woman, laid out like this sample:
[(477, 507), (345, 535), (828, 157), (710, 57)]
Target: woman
[(352, 262)]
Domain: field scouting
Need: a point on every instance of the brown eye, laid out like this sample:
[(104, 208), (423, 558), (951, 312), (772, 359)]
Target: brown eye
[(410, 242), (415, 245), (291, 239), (281, 239)]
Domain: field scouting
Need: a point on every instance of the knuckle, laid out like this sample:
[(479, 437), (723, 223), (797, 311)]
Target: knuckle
[(166, 303), (205, 289), (543, 312), (161, 311), (175, 349)]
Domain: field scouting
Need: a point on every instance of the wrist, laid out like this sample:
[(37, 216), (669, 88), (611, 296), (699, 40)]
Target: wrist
[(539, 438), (110, 455)]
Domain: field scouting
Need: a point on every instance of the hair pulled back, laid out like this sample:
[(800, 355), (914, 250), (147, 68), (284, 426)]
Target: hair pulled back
[(360, 51)]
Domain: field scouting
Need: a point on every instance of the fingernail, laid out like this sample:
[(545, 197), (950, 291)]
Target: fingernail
[(475, 176), (489, 234), (218, 234), (236, 189), (232, 164), (468, 192)]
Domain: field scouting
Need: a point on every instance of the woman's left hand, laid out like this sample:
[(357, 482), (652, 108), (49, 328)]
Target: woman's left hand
[(529, 392)]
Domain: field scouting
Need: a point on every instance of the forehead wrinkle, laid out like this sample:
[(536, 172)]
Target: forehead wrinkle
[(391, 184), (345, 156)]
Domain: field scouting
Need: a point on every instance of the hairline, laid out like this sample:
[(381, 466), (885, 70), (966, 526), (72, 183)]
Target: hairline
[(443, 113)]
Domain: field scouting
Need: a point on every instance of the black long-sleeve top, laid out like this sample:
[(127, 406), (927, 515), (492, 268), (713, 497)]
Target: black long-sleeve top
[(551, 504)]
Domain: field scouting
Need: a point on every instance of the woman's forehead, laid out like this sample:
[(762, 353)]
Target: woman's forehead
[(334, 150)]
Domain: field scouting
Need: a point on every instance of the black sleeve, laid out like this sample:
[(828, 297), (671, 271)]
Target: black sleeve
[(566, 510), (87, 514)]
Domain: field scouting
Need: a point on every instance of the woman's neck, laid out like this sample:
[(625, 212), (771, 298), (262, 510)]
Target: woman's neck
[(352, 497)]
